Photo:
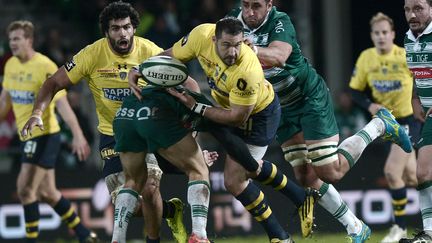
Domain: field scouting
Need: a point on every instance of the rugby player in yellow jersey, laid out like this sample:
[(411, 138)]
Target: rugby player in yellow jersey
[(105, 65), (24, 74), (248, 106), (383, 70)]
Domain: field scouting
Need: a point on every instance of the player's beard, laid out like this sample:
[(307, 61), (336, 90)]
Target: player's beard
[(116, 45), (227, 59)]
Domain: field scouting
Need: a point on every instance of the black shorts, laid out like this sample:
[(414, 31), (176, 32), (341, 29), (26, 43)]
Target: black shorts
[(111, 159), (412, 126), (42, 150), (260, 129)]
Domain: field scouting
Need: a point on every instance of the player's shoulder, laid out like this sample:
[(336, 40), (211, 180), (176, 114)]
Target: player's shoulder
[(95, 47), (398, 51), (12, 61), (141, 41), (235, 12), (277, 15), (43, 59), (368, 53), (205, 29)]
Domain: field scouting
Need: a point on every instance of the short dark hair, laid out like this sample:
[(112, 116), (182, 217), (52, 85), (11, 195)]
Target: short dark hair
[(229, 25), (25, 25), (117, 10)]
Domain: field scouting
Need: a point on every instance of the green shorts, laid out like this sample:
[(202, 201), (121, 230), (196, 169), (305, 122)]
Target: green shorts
[(150, 124), (426, 134), (314, 115)]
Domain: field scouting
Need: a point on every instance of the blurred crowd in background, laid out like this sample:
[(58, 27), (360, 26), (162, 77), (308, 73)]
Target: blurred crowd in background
[(65, 26)]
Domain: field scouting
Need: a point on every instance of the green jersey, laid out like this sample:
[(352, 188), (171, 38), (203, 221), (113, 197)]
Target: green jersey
[(419, 60), (297, 77)]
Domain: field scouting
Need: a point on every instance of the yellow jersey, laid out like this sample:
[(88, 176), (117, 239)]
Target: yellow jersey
[(388, 77), (106, 73), (242, 83), (23, 81)]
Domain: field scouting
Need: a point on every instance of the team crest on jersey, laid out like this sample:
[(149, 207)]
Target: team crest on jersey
[(123, 75), (184, 40), (69, 65)]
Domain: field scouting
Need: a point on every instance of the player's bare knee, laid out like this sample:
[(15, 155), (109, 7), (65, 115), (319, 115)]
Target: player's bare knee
[(392, 179), (232, 184), (423, 175), (50, 197), (26, 193), (151, 188)]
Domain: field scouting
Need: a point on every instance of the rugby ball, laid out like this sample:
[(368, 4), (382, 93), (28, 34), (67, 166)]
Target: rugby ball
[(163, 71)]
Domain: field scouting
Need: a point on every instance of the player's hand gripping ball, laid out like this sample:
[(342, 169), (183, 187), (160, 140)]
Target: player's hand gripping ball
[(163, 71)]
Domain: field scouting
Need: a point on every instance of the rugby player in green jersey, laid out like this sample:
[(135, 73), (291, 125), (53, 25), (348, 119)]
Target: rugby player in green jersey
[(382, 69), (308, 131), (154, 124), (418, 42)]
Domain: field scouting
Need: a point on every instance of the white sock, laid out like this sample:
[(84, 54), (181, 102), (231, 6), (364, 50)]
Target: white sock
[(425, 191), (333, 203), (353, 147), (124, 208), (198, 199)]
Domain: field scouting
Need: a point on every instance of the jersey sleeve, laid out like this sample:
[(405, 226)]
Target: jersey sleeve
[(358, 79), (6, 76), (80, 65), (283, 31), (188, 47)]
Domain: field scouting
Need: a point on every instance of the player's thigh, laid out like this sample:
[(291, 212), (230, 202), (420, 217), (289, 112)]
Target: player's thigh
[(424, 164), (396, 162), (186, 155), (134, 165), (424, 145), (30, 177)]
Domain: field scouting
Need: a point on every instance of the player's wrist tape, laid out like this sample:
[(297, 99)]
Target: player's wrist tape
[(37, 113), (37, 117), (199, 108)]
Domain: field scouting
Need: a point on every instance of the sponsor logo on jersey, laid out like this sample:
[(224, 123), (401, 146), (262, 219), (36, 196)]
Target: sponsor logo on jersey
[(108, 153), (116, 94), (384, 86), (22, 96), (420, 73), (123, 75), (70, 65)]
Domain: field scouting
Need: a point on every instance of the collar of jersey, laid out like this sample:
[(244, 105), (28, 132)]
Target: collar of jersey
[(247, 27), (428, 30)]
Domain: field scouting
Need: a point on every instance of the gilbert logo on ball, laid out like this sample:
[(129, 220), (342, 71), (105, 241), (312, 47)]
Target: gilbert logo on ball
[(163, 71)]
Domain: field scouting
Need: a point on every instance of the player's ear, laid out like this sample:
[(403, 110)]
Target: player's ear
[(214, 39)]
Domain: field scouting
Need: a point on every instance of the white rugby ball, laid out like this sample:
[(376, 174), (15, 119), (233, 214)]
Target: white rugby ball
[(163, 71)]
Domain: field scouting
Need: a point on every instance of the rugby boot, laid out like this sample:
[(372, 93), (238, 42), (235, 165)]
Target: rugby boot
[(194, 239), (395, 234), (306, 212), (393, 130), (92, 238), (361, 237), (275, 240), (421, 237), (176, 222)]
